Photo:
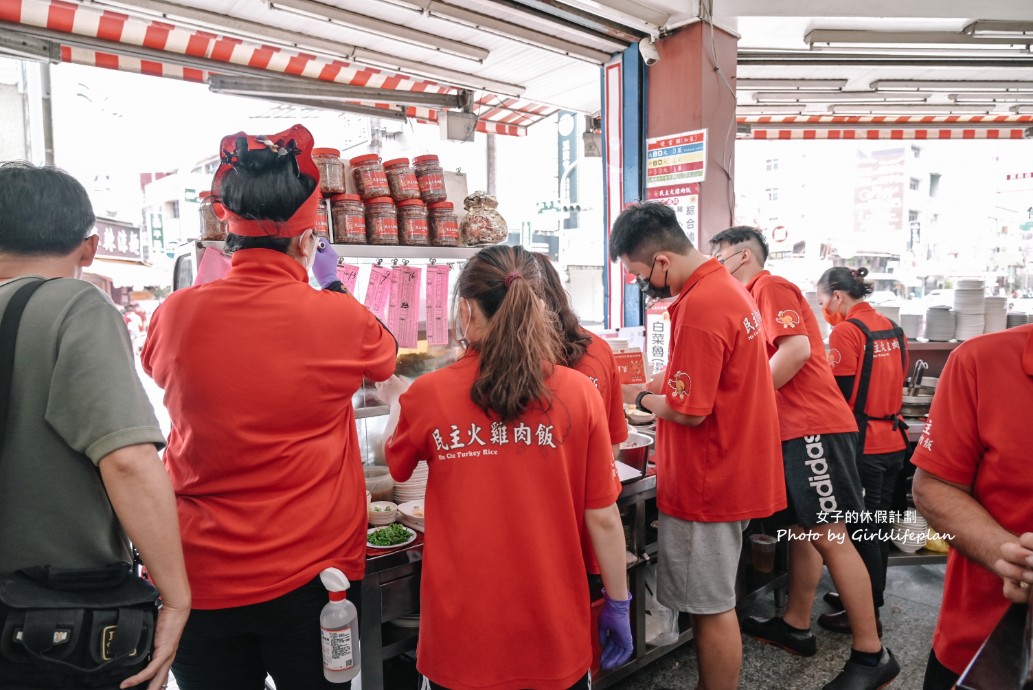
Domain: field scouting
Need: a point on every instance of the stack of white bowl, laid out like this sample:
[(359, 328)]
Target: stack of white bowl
[(382, 513), (939, 324), (1016, 318), (411, 514), (415, 488), (969, 308), (996, 314), (912, 325), (812, 299), (911, 533)]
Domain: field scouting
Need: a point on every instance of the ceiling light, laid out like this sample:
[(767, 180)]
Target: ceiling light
[(947, 85), (780, 84), (991, 97), (999, 29), (836, 97), (867, 37), (310, 89), (769, 109), (397, 32), (22, 47), (909, 109), (635, 15), (947, 53)]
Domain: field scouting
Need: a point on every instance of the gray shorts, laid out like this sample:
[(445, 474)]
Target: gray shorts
[(697, 564)]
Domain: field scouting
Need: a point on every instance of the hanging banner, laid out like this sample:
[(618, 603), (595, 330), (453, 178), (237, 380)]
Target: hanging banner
[(675, 160), (378, 291), (437, 304), (403, 316), (348, 274)]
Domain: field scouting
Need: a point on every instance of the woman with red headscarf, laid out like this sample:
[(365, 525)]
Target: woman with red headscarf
[(259, 370)]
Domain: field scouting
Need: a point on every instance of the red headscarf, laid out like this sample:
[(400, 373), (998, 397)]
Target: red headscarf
[(298, 141)]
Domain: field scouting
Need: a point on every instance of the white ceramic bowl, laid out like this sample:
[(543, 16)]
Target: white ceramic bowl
[(382, 513)]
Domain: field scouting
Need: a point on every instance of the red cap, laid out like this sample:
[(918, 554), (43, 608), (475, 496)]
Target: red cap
[(381, 200), (326, 152), (441, 204), (425, 159), (367, 158), (396, 161), (338, 596), (410, 202), (345, 197), (296, 140)]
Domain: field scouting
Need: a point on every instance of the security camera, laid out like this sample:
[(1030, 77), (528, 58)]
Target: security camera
[(647, 49)]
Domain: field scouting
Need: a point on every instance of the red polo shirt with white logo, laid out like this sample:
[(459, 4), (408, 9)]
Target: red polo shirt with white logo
[(886, 390), (977, 436), (810, 402), (504, 598), (600, 367), (730, 466)]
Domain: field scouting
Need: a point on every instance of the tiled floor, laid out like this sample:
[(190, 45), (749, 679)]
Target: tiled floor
[(909, 616)]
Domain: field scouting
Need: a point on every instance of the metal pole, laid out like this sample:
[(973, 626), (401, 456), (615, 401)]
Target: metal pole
[(491, 163), (47, 112)]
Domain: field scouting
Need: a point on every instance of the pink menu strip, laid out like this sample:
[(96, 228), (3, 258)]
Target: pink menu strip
[(378, 291), (214, 265), (403, 318), (437, 304), (348, 275)]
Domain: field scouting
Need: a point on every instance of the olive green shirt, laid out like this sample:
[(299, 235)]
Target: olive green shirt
[(76, 398)]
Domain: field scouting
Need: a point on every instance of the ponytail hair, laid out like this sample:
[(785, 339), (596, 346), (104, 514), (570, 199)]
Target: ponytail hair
[(850, 281), (573, 339), (520, 341)]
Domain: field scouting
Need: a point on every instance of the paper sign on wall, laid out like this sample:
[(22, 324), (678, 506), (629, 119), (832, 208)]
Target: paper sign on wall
[(658, 336), (348, 274), (214, 265), (403, 316), (378, 291), (437, 304)]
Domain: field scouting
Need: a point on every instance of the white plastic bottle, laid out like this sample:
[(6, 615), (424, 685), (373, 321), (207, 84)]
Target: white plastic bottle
[(339, 629)]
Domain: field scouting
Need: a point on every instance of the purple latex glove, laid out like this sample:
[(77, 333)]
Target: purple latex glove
[(324, 267), (615, 632)]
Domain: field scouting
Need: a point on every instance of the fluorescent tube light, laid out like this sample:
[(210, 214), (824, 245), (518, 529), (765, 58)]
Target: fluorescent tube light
[(909, 109), (868, 37), (947, 85), (984, 28), (22, 47), (769, 109), (397, 32), (635, 15), (836, 97), (310, 89), (1022, 109), (355, 108), (748, 84), (991, 97)]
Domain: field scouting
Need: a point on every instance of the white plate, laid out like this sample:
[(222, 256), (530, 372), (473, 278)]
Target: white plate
[(410, 540)]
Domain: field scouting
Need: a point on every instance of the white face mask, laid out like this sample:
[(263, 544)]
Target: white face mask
[(460, 328)]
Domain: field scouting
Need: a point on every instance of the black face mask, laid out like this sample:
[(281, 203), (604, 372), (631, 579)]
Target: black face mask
[(650, 290)]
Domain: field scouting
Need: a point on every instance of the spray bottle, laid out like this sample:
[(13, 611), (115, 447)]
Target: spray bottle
[(339, 629)]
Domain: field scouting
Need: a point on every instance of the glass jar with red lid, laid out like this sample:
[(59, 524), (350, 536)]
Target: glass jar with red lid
[(369, 176), (331, 170), (443, 224), (412, 223), (401, 179), (381, 221), (212, 229), (431, 178), (349, 218)]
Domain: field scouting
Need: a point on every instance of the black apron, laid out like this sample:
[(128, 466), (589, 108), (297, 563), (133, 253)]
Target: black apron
[(861, 400)]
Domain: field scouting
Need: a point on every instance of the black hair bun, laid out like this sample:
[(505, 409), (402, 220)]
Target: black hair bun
[(862, 272)]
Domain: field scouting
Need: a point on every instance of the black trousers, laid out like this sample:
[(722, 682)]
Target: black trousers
[(879, 480), (583, 684), (938, 676), (234, 649)]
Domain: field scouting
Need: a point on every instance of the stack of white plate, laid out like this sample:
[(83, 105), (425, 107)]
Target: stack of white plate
[(911, 533), (411, 514), (812, 299), (415, 488), (912, 325), (891, 312), (939, 324), (969, 284), (996, 314), (968, 325), (1016, 318)]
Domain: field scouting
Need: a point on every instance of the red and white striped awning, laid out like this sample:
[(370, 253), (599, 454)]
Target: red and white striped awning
[(786, 127), (498, 115)]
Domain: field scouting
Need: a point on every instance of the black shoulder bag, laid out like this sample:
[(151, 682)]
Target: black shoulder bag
[(95, 624)]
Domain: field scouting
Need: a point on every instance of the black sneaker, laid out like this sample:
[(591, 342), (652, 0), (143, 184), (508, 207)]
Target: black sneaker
[(775, 631), (833, 600), (861, 677)]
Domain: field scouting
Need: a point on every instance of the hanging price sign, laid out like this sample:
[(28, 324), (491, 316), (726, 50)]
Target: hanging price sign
[(437, 305), (378, 291), (403, 316)]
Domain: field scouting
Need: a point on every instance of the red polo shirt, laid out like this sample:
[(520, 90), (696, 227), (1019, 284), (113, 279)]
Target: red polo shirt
[(730, 466), (977, 436), (259, 370), (886, 390), (504, 598), (600, 367), (810, 402)]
